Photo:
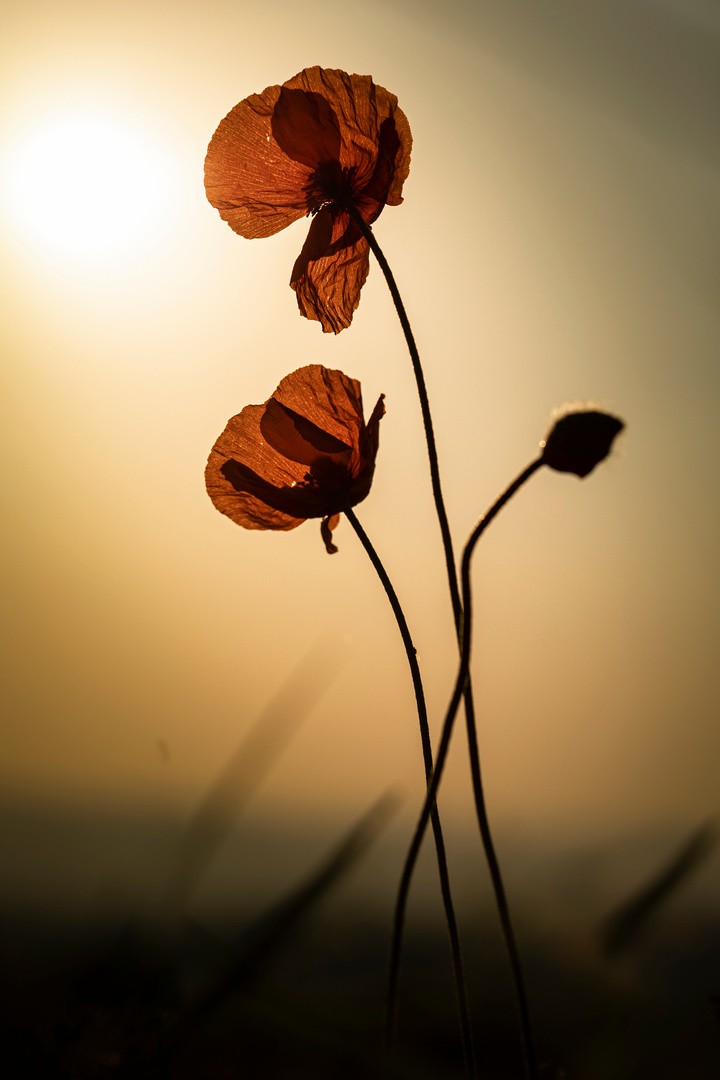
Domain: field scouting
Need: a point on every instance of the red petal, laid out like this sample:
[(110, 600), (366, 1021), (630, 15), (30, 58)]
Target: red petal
[(328, 287), (384, 174), (329, 399), (363, 467), (371, 435), (306, 453), (401, 166), (263, 156), (297, 438), (306, 128), (268, 473), (376, 141), (255, 186), (317, 241), (361, 107)]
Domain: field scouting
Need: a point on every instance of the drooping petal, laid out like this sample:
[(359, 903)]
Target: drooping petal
[(317, 242), (249, 179), (327, 525), (328, 286)]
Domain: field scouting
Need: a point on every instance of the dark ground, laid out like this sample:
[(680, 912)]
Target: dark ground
[(279, 993)]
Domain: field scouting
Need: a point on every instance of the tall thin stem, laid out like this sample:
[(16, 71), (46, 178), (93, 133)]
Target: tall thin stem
[(424, 408), (460, 684), (471, 727), (411, 653)]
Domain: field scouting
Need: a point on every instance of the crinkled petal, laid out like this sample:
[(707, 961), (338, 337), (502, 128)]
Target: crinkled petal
[(306, 128), (254, 185), (317, 242), (376, 142), (323, 488), (297, 438), (376, 191), (329, 399), (240, 491), (361, 107), (261, 174), (328, 287), (402, 157), (305, 453)]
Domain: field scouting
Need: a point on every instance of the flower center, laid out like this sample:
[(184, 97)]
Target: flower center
[(330, 185)]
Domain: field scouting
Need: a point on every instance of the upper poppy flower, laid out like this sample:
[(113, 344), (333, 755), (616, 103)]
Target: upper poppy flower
[(310, 146), (307, 452)]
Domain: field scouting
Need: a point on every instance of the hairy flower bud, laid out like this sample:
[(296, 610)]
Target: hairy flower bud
[(580, 440)]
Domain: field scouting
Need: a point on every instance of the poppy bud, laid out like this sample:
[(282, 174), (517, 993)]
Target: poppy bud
[(580, 440)]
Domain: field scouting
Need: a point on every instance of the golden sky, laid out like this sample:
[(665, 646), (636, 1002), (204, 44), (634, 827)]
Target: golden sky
[(557, 243)]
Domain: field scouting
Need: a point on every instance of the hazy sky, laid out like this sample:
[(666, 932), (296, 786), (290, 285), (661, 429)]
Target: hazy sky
[(558, 242)]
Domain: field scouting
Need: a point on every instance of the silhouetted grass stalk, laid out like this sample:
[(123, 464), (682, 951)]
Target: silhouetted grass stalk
[(460, 683), (433, 814)]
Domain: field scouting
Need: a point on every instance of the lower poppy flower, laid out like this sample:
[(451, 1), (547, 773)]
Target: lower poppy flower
[(306, 453)]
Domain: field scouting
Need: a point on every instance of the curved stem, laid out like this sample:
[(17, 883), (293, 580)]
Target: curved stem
[(460, 684), (411, 653), (469, 703), (424, 408), (473, 750)]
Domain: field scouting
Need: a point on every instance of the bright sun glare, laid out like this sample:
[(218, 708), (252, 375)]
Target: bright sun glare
[(86, 187)]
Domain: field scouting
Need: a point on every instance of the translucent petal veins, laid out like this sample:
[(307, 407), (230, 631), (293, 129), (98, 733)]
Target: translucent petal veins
[(306, 452), (309, 146)]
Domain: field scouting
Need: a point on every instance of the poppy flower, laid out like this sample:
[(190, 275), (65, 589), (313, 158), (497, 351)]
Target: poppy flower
[(307, 452), (310, 146), (580, 440)]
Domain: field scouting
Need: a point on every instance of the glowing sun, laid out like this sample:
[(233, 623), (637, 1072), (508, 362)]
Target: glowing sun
[(86, 186)]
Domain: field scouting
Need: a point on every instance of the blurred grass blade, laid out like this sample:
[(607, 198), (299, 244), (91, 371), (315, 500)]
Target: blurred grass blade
[(216, 815), (273, 929), (621, 929)]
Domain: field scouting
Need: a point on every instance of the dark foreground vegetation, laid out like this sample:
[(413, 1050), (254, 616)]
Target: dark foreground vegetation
[(297, 990)]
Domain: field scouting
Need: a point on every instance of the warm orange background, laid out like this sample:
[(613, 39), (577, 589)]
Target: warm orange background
[(556, 244)]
